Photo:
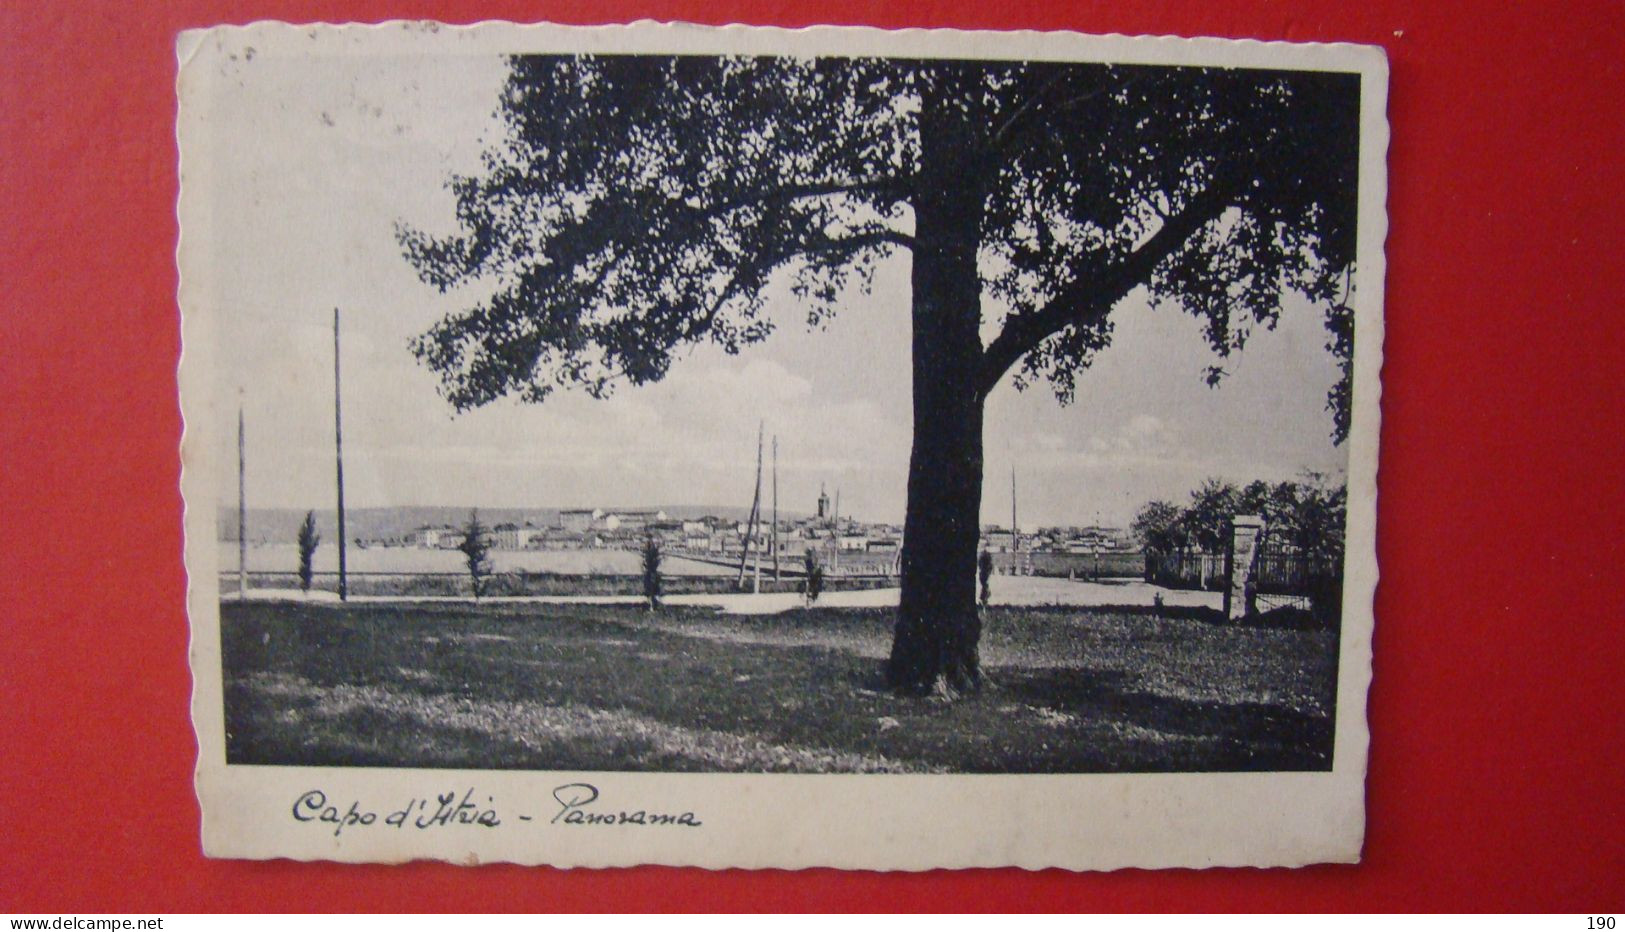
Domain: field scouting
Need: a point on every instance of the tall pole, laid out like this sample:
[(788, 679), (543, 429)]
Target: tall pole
[(338, 456), (754, 519), (1015, 535), (775, 508), (242, 514)]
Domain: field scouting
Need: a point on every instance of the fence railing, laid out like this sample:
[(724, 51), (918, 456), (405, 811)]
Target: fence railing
[(1291, 572), (1185, 570), (1280, 577), (1108, 564)]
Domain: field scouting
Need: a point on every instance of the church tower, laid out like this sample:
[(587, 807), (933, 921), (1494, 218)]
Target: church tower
[(823, 503)]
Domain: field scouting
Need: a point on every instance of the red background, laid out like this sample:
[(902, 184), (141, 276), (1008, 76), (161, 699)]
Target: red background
[(1496, 777)]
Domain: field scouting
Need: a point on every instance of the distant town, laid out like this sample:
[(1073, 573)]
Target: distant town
[(834, 539)]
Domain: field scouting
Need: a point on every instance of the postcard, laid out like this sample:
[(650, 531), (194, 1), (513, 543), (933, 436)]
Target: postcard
[(745, 447)]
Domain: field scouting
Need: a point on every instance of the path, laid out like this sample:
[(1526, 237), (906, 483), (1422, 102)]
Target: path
[(1019, 590)]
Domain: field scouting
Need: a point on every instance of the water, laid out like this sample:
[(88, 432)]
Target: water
[(284, 558)]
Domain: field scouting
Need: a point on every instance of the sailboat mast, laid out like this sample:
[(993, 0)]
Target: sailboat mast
[(775, 531), (755, 517), (756, 514)]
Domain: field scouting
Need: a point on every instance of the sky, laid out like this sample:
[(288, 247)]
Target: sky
[(314, 160)]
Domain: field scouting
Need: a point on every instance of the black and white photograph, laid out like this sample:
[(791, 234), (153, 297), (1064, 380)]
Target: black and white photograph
[(698, 433)]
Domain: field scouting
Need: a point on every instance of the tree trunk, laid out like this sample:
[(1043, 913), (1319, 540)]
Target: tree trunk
[(934, 646)]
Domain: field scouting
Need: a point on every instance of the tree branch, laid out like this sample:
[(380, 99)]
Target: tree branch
[(1013, 122), (900, 185), (608, 220), (1093, 292), (849, 243), (1036, 112)]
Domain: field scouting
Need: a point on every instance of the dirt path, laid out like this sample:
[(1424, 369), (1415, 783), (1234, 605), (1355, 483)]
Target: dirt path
[(1013, 591)]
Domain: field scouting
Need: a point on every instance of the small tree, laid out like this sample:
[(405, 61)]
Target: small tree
[(476, 547), (984, 571), (1159, 527), (308, 539), (651, 572), (1207, 519), (814, 583)]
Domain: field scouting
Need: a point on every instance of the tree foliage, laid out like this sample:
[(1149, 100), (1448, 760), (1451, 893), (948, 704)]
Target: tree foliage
[(308, 539), (640, 204), (812, 583), (1307, 515), (1158, 526), (476, 548), (651, 571)]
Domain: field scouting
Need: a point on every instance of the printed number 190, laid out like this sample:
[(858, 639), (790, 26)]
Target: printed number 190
[(1600, 922)]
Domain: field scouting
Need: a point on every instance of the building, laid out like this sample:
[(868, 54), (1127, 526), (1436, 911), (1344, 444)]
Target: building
[(509, 536), (1091, 539), (577, 520), (998, 541), (630, 520), (441, 536)]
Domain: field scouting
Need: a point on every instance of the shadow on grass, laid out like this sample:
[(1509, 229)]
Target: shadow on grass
[(1248, 735), (1096, 694), (1280, 619)]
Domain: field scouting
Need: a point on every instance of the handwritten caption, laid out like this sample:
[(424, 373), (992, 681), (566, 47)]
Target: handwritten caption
[(573, 804)]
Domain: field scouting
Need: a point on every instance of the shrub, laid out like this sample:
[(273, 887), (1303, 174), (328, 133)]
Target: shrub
[(476, 547), (308, 539), (814, 583), (651, 572)]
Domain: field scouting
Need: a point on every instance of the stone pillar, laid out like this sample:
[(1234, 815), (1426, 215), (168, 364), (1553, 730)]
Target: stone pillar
[(1238, 595)]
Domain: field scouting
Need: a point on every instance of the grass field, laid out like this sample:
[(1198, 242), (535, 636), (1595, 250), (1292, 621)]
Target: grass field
[(615, 688)]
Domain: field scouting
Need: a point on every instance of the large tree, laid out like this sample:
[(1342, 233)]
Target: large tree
[(639, 204)]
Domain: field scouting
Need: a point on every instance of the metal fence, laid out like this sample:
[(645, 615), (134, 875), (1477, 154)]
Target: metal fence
[(1281, 577), (1285, 577)]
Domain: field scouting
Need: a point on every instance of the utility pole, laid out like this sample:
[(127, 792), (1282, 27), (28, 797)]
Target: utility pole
[(242, 512), (1015, 535), (775, 508), (338, 456)]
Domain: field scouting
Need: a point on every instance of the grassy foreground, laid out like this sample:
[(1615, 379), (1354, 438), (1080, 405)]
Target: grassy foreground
[(556, 687)]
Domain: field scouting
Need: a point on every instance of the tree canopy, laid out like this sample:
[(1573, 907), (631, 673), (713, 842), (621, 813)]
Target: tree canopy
[(1308, 515), (640, 204)]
